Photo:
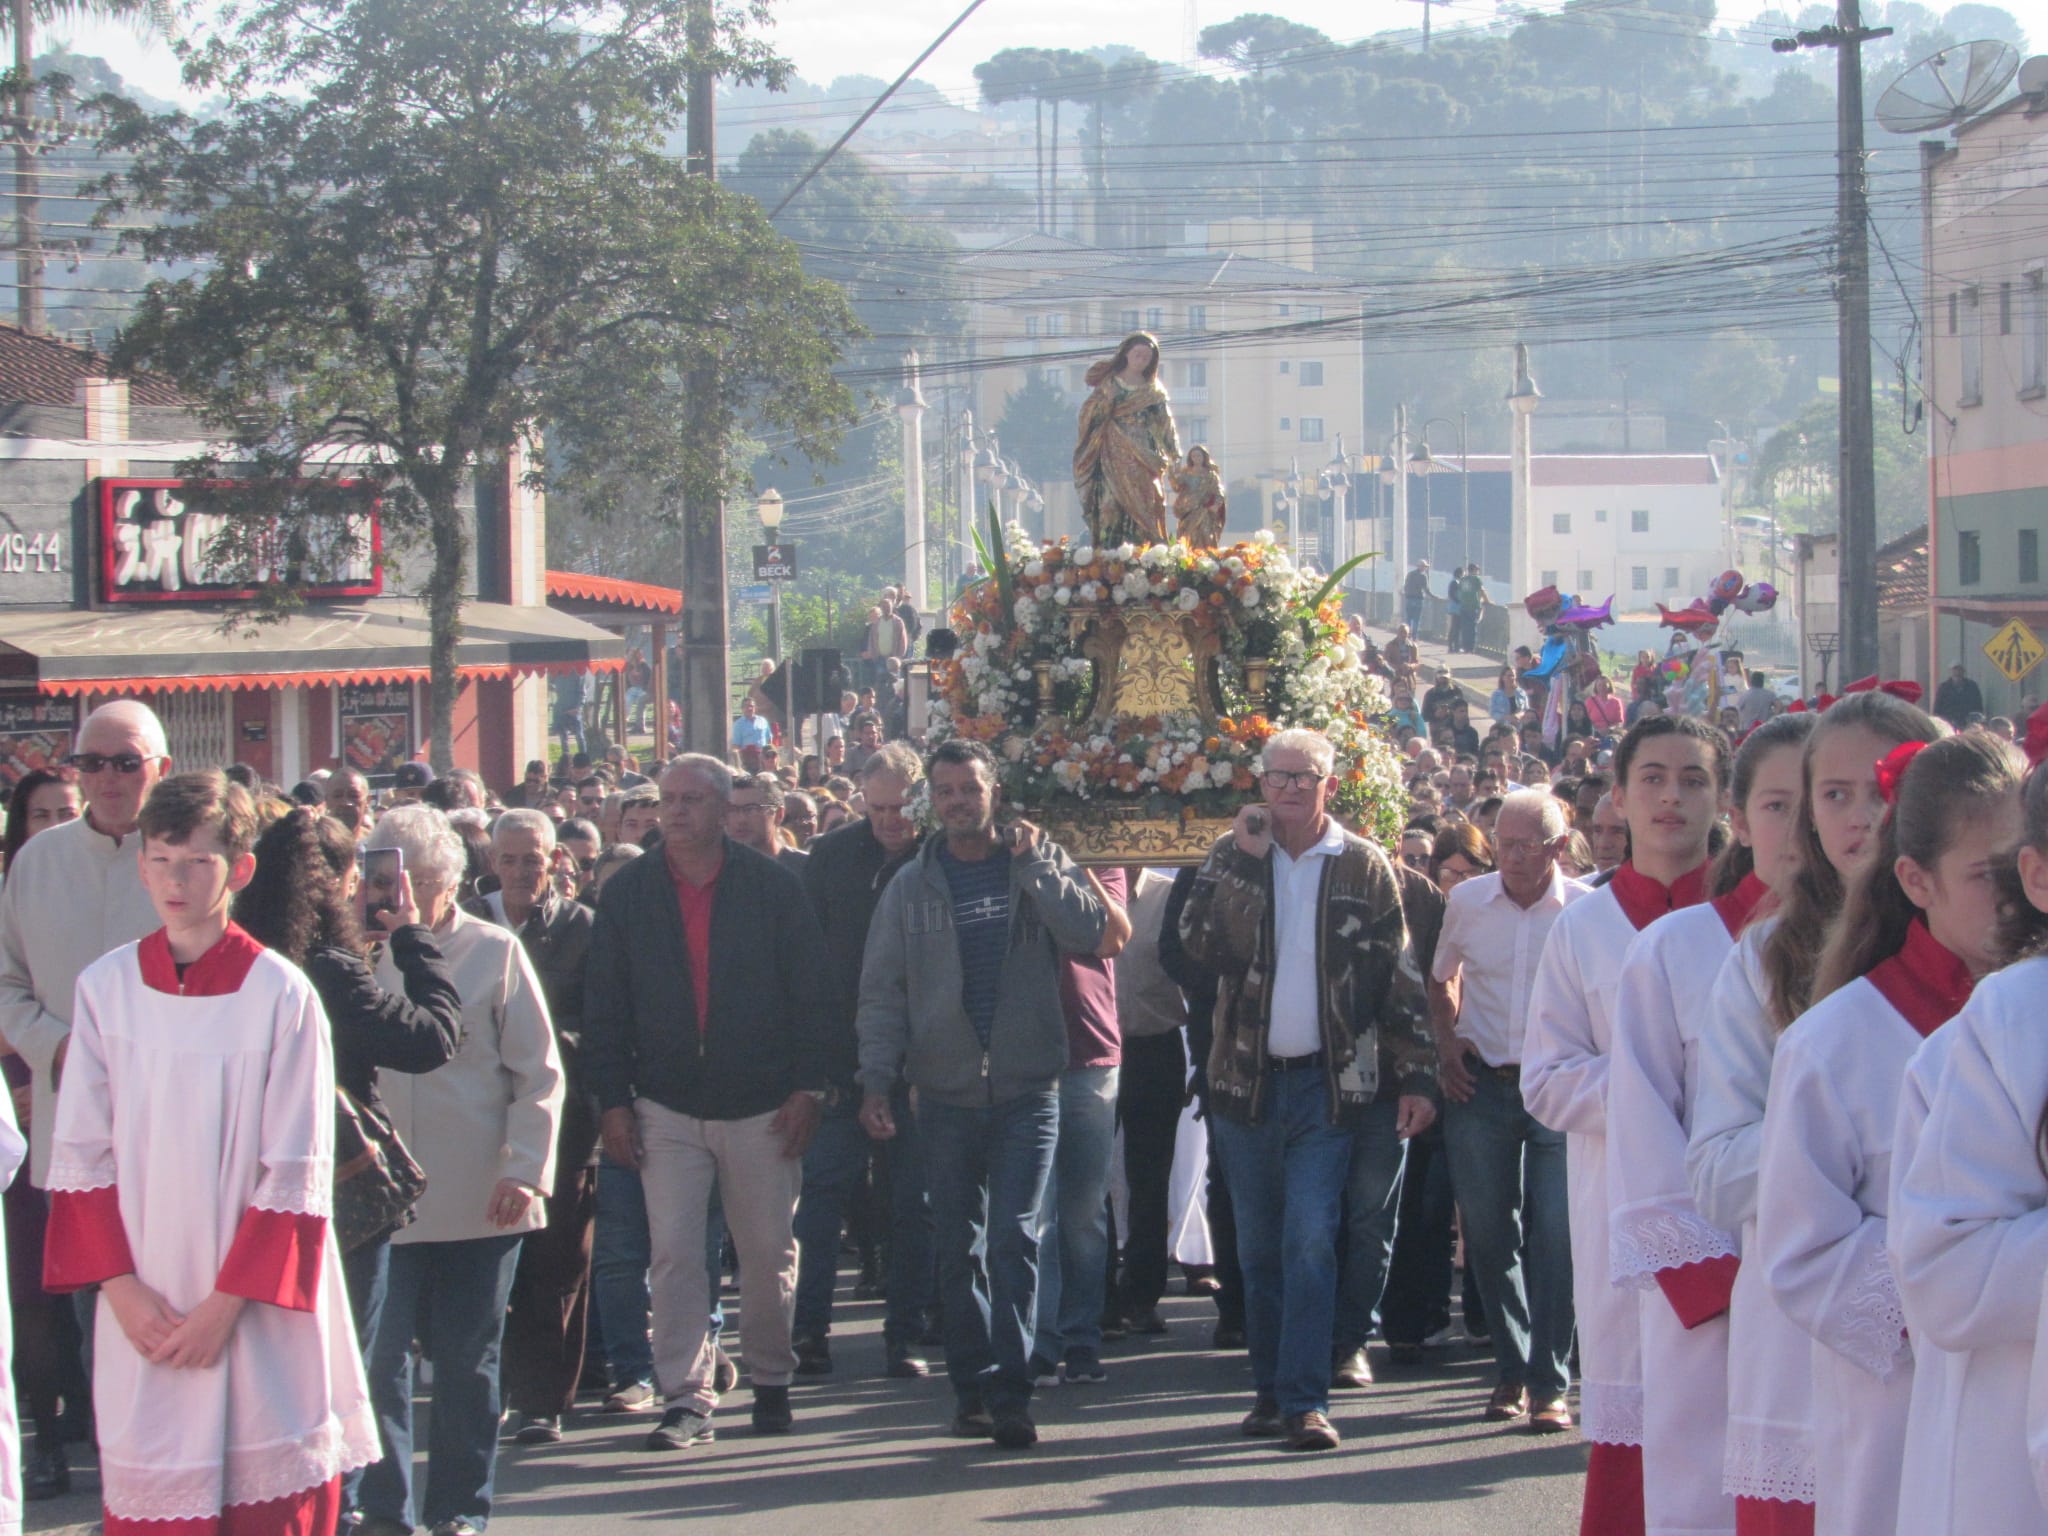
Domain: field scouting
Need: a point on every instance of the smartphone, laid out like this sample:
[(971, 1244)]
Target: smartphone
[(1256, 823), (382, 870)]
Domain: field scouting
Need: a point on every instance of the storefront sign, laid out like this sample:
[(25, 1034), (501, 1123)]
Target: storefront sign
[(157, 545), (376, 728), (34, 733)]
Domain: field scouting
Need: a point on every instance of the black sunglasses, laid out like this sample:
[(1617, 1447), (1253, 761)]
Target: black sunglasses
[(95, 762)]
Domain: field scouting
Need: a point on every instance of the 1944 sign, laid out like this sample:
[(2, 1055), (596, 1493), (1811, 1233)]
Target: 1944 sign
[(158, 542)]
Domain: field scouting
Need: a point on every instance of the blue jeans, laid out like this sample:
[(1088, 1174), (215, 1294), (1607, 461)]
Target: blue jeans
[(619, 1256), (1509, 1174), (1073, 1270), (987, 1170), (1287, 1176), (453, 1295), (1372, 1202), (833, 1165)]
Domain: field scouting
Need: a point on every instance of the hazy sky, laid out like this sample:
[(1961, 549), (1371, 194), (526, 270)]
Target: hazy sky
[(827, 38)]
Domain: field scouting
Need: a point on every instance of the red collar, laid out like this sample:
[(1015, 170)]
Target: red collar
[(1735, 907), (218, 972), (1924, 980), (1644, 900)]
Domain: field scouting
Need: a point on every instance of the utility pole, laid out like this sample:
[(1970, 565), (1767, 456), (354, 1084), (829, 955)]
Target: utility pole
[(1856, 474), (28, 254), (705, 682)]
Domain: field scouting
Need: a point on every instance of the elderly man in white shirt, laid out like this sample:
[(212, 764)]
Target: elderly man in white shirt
[(1508, 1170)]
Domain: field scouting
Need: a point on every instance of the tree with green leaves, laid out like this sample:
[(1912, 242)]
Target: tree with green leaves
[(432, 232), (1037, 430)]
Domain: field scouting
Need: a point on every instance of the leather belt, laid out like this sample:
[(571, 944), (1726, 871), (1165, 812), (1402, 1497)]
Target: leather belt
[(1312, 1061)]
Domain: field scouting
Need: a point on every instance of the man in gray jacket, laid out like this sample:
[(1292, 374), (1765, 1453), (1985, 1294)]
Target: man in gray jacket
[(959, 993)]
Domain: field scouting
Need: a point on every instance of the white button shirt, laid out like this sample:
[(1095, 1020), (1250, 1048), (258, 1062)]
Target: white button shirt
[(1495, 944), (1295, 1027)]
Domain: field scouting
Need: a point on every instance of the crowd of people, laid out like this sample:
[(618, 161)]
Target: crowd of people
[(332, 1096)]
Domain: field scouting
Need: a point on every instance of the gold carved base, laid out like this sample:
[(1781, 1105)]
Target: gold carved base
[(1129, 834)]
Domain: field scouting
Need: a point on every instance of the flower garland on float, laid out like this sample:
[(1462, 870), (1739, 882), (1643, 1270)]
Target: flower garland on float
[(1285, 657)]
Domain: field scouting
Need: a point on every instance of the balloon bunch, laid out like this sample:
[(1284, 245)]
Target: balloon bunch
[(1567, 624), (1701, 618)]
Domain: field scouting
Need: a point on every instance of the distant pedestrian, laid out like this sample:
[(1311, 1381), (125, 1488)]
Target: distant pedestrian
[(1958, 697)]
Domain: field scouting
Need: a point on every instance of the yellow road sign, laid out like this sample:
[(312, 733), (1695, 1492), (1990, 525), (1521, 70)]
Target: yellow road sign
[(2015, 650)]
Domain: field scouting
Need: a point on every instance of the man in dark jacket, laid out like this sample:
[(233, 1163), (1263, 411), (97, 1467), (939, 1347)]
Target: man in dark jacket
[(708, 1051), (1958, 697), (549, 1314), (845, 876)]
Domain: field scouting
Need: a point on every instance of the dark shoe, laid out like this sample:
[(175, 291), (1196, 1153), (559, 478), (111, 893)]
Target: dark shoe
[(634, 1397), (866, 1289), (46, 1474), (1405, 1354), (379, 1525), (1084, 1368), (1352, 1371), (1509, 1403), (1114, 1326), (1264, 1420), (1226, 1337), (1043, 1372), (1014, 1430), (461, 1525), (725, 1375), (539, 1429), (1550, 1417), (1310, 1431), (679, 1429), (1202, 1281), (973, 1423), (771, 1411), (1147, 1320), (813, 1355), (905, 1366)]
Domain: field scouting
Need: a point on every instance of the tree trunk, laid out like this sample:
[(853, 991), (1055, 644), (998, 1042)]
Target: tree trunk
[(451, 540)]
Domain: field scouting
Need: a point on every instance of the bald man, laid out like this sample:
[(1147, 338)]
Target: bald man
[(74, 893)]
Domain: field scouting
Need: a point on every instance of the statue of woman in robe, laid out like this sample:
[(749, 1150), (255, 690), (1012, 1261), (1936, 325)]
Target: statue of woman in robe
[(1198, 500), (1125, 445)]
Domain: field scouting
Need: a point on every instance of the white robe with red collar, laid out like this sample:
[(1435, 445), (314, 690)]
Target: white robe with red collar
[(194, 1149), (13, 1153)]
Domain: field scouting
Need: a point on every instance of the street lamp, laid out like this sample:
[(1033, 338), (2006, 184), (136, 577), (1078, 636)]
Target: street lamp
[(769, 509), (1336, 484)]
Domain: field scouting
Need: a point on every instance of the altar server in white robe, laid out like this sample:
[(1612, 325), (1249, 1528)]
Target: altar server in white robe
[(1916, 931), (1670, 773), (1659, 1243), (191, 1178), (1765, 984), (1969, 1235)]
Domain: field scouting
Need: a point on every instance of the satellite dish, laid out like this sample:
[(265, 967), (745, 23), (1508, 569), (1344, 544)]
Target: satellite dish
[(2034, 75), (1952, 85)]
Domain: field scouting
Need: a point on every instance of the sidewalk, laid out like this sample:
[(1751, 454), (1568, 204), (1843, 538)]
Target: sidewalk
[(1472, 672)]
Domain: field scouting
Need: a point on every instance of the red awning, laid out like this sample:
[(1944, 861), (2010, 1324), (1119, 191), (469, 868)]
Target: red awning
[(610, 590)]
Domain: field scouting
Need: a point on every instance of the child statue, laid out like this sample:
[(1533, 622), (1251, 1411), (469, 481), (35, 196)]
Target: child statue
[(1198, 500)]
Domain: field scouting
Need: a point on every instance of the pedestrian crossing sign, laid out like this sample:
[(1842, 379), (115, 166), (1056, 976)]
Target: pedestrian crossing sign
[(2015, 650)]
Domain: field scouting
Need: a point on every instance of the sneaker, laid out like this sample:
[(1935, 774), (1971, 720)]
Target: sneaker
[(1353, 1371), (634, 1397), (1043, 1372), (539, 1429), (905, 1364), (771, 1411), (1263, 1422), (461, 1525), (1084, 1368), (1114, 1326), (1147, 1320), (681, 1428), (813, 1355), (1550, 1417), (1310, 1431), (1014, 1430), (1441, 1339), (1227, 1337), (1510, 1402), (46, 1474), (1405, 1353), (973, 1422), (725, 1375)]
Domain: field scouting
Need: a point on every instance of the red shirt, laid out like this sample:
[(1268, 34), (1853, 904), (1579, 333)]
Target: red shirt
[(694, 902)]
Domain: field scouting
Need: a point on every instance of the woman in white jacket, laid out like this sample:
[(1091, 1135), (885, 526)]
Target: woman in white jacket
[(1969, 1234), (1917, 930)]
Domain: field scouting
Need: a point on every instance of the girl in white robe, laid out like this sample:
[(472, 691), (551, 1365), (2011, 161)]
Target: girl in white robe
[(1768, 1463), (1659, 1243), (1669, 773), (1917, 930), (1969, 1234), (13, 1151)]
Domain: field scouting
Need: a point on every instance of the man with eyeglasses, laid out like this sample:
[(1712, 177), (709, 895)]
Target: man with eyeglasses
[(754, 815), (549, 1310), (1320, 1018), (72, 894), (1508, 1170)]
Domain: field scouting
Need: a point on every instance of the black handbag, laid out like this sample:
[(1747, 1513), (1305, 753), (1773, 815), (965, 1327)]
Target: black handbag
[(377, 1185)]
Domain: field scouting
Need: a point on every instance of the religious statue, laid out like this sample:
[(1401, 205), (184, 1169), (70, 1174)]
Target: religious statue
[(1198, 500), (1125, 445)]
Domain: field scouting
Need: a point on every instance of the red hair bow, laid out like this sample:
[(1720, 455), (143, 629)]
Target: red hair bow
[(2037, 736), (1891, 768), (1820, 701), (1898, 688)]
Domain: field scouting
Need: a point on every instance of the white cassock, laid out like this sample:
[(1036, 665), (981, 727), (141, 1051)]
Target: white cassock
[(194, 1148), (1824, 1188), (1770, 1372), (13, 1152), (1659, 1243), (1969, 1242)]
